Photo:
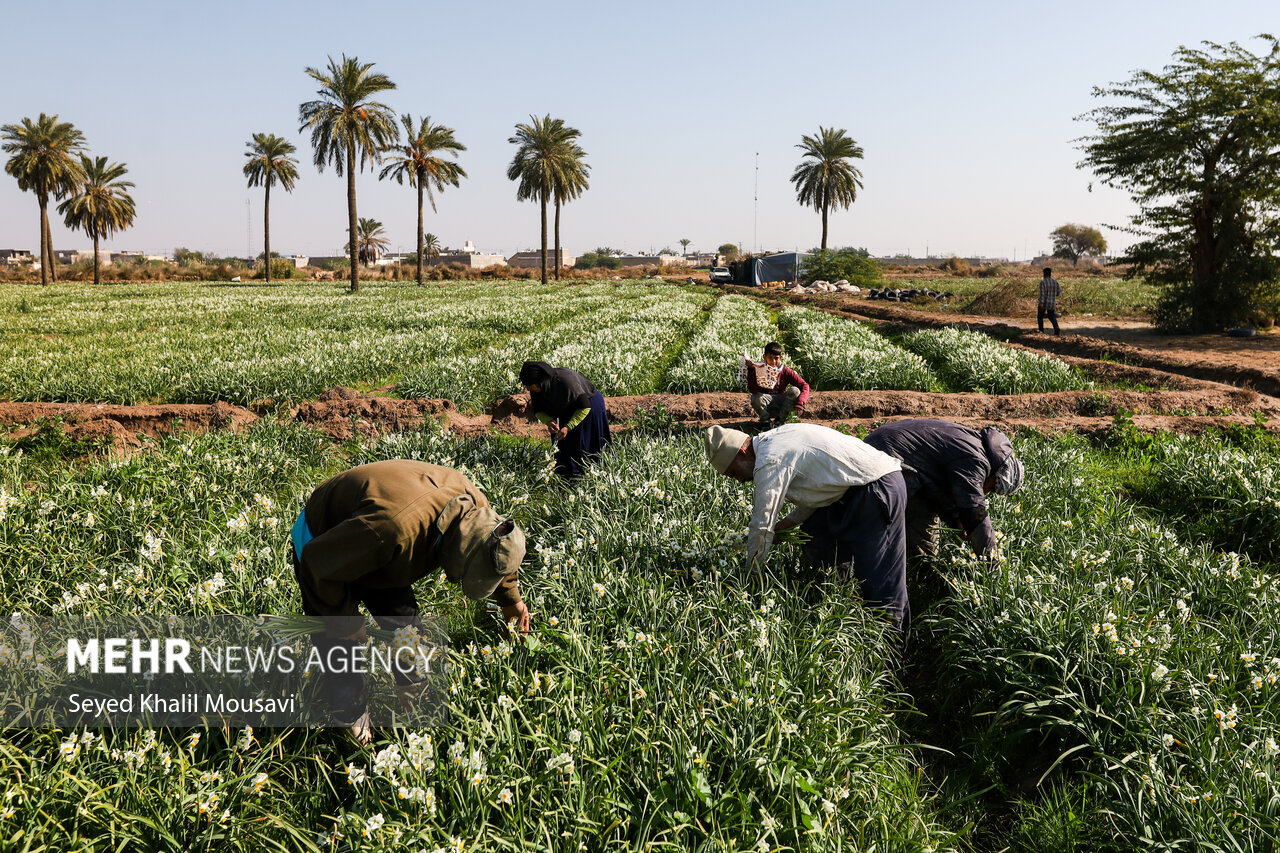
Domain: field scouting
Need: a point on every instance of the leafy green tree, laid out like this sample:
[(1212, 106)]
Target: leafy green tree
[(825, 178), (1072, 241), (268, 160), (855, 265), (419, 161), (348, 128), (44, 163), (549, 167), (728, 250), (684, 245), (1197, 145), (101, 206)]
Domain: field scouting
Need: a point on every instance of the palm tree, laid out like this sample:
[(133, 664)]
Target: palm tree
[(548, 164), (270, 159), (570, 183), (417, 161), (348, 128), (825, 177), (371, 240), (43, 163), (431, 245), (684, 245), (101, 206)]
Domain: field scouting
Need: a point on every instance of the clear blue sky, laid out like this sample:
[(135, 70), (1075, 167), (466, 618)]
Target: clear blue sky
[(965, 112)]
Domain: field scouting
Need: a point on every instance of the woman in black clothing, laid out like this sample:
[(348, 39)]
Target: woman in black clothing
[(573, 411)]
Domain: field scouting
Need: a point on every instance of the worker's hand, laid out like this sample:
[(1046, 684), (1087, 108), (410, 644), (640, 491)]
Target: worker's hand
[(783, 525), (562, 433), (552, 429), (519, 614)]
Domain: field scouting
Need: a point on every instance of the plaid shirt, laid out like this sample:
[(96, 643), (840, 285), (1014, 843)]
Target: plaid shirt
[(1049, 293)]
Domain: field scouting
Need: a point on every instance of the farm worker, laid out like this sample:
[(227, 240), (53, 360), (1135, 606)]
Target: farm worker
[(367, 534), (775, 390), (573, 411), (950, 469), (1047, 306), (849, 498)]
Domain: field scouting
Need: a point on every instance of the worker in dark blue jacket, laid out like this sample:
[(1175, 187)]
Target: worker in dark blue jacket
[(949, 469)]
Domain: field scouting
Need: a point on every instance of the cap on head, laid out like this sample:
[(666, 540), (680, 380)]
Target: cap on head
[(722, 444), (484, 549)]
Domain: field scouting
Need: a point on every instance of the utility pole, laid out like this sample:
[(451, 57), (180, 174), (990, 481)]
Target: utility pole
[(755, 225)]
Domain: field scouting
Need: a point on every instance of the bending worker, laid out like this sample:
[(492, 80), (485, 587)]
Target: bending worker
[(950, 469), (367, 534), (849, 498), (573, 411)]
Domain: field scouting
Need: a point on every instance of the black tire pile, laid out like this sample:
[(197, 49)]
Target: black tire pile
[(891, 294)]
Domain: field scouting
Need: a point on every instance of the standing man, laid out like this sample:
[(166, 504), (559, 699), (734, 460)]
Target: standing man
[(368, 534), (1047, 306), (775, 390), (949, 471), (849, 498)]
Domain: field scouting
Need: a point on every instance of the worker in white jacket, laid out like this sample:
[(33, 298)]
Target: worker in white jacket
[(849, 498)]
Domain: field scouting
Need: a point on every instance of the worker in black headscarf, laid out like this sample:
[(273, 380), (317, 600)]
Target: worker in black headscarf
[(573, 411)]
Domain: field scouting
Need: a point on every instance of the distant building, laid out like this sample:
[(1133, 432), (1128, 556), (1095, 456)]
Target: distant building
[(15, 257), (533, 259), (934, 261)]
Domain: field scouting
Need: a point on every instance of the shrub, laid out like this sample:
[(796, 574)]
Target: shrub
[(956, 266), (855, 265)]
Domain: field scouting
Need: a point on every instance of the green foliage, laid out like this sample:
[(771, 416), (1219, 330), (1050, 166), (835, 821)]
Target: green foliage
[(43, 162), (856, 265), (728, 251), (281, 268), (971, 361), (548, 165), (1195, 147), (1072, 241)]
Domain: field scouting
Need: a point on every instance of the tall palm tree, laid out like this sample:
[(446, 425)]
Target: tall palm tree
[(684, 245), (349, 128), (101, 206), (43, 163), (270, 159), (544, 166), (825, 177), (417, 161), (571, 182), (371, 241)]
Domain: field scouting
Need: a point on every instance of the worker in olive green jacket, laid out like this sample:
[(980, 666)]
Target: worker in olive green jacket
[(367, 534)]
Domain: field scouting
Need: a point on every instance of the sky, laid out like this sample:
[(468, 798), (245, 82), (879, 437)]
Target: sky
[(690, 114)]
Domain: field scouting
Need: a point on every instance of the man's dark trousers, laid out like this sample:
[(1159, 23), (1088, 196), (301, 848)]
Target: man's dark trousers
[(864, 530), (1052, 314)]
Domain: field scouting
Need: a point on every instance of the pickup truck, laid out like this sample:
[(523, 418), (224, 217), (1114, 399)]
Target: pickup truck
[(721, 275)]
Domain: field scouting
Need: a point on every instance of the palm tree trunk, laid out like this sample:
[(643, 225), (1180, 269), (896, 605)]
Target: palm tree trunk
[(421, 178), (557, 239), (44, 241), (824, 228), (351, 214), (48, 239), (544, 239), (97, 278), (266, 229)]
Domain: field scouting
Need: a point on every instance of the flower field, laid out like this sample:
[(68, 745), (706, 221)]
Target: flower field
[(198, 343), (1109, 682), (968, 361)]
